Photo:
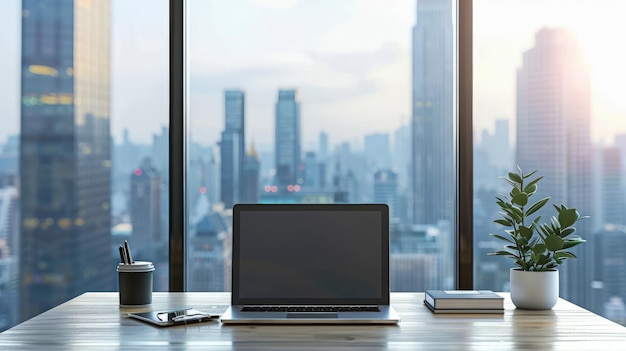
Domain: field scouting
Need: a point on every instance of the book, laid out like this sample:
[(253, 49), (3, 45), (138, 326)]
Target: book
[(464, 299), (464, 310)]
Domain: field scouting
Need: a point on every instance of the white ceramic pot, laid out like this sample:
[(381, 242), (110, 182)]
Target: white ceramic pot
[(534, 290)]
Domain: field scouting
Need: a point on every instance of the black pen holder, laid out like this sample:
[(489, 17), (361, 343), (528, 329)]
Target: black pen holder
[(135, 282)]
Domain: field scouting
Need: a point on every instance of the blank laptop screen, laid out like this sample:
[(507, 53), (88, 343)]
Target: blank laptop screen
[(310, 254)]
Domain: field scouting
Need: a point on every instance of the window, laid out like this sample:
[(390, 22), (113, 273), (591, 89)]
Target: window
[(323, 102), (547, 97), (83, 147)]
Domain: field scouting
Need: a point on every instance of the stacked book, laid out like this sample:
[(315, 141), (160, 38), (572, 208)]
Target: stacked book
[(464, 301)]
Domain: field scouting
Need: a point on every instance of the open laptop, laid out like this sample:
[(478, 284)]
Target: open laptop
[(310, 264)]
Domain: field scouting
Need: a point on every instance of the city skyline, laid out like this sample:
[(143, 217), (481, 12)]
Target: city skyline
[(139, 63), (72, 152)]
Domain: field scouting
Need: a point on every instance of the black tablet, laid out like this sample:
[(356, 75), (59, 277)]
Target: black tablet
[(174, 317)]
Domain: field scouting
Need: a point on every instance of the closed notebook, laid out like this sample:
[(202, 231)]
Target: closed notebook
[(464, 299), (464, 310)]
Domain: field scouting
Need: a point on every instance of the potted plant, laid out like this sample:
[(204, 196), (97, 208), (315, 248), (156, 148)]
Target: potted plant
[(537, 249)]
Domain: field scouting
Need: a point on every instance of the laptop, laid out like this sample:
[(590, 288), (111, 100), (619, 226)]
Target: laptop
[(310, 264)]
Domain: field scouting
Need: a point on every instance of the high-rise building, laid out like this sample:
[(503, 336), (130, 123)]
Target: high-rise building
[(432, 116), (65, 152), (310, 173), (386, 192), (323, 146), (251, 176), (9, 162), (402, 156), (287, 139), (9, 258), (232, 148), (610, 270), (145, 208), (553, 123), (612, 188)]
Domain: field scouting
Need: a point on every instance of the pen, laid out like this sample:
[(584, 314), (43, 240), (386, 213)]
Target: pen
[(122, 255), (128, 254)]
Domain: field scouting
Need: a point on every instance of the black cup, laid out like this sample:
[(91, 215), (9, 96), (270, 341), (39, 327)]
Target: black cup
[(135, 282)]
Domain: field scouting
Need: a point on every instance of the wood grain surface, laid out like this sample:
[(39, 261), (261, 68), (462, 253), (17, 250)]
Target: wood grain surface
[(94, 321)]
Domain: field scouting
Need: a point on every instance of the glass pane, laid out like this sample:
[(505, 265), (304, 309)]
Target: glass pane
[(548, 97), (323, 102), (79, 79)]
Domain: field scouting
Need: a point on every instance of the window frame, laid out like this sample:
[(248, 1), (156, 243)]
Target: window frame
[(464, 242)]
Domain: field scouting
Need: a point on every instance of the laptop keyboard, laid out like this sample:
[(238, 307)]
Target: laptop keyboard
[(265, 308)]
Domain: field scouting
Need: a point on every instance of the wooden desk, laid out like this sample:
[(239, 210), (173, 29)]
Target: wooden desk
[(93, 321)]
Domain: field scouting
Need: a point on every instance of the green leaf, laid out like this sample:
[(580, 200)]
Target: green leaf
[(539, 249), (520, 199), (554, 242), (533, 182), (504, 222), (529, 174), (537, 206), (514, 192), (573, 241), (530, 189), (568, 217), (567, 231), (543, 259), (525, 232), (564, 254), (534, 257), (521, 240), (512, 213), (515, 177)]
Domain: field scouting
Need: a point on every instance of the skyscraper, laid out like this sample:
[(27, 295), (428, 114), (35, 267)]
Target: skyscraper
[(386, 192), (232, 148), (145, 208), (9, 258), (65, 161), (251, 175), (432, 116), (287, 137), (612, 190), (553, 123)]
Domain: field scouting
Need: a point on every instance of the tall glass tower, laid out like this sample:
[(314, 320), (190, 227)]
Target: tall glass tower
[(433, 120), (553, 123), (287, 139), (232, 148), (65, 160)]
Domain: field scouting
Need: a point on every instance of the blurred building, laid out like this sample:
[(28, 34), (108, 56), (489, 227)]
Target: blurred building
[(251, 177), (287, 139), (432, 115), (417, 258), (613, 207), (386, 192), (209, 257), (65, 152), (9, 258), (310, 173), (553, 137), (145, 210), (232, 148), (610, 270)]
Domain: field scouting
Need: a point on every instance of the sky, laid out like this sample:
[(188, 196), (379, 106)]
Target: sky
[(349, 59)]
